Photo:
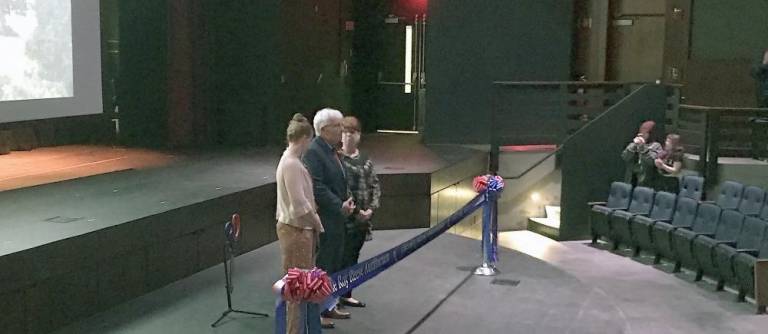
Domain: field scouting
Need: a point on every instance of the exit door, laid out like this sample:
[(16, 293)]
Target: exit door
[(636, 35), (402, 79)]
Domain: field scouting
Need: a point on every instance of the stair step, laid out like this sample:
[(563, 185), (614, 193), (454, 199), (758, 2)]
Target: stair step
[(552, 212), (547, 227)]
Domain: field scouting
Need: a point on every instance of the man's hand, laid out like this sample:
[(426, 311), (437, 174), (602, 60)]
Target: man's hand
[(639, 140), (765, 58), (659, 163), (348, 206)]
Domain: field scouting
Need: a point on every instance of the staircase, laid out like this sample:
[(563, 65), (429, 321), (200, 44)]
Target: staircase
[(548, 226)]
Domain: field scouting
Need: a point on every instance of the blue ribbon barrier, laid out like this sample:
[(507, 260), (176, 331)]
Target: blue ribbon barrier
[(349, 278)]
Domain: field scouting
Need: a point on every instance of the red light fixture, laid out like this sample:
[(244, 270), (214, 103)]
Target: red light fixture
[(409, 8)]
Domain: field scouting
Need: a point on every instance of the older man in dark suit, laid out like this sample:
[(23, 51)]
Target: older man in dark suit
[(331, 194)]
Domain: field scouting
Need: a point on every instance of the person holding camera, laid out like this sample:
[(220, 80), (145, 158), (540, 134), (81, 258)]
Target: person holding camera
[(640, 155)]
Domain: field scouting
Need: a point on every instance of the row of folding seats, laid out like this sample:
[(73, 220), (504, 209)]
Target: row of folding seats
[(721, 239), (627, 203)]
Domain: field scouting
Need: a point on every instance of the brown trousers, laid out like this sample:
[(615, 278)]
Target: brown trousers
[(297, 247)]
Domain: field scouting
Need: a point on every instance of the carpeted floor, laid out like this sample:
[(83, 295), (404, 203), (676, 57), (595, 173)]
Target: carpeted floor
[(555, 288)]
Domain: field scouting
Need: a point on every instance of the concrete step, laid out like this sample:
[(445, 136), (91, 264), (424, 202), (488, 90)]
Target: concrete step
[(548, 226)]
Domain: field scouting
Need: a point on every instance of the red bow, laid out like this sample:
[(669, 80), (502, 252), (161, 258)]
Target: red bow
[(306, 285)]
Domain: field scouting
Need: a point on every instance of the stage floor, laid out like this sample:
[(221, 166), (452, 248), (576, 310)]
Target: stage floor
[(40, 215), (563, 288), (105, 187), (21, 169)]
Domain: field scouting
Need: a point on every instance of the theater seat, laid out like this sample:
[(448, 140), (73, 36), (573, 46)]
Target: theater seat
[(685, 214), (705, 224), (744, 268), (703, 247), (692, 187), (764, 211), (729, 197), (752, 232), (752, 201), (618, 199), (641, 204), (641, 226)]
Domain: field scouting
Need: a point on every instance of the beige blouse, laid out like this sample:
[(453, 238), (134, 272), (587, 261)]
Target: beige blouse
[(295, 199)]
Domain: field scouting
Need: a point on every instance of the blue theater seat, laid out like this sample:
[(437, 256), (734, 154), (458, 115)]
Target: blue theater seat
[(752, 233), (642, 226), (618, 199), (705, 224), (726, 233), (691, 187), (641, 205), (684, 216), (752, 201)]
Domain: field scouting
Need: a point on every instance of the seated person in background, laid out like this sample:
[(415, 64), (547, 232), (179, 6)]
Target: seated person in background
[(639, 156), (669, 163)]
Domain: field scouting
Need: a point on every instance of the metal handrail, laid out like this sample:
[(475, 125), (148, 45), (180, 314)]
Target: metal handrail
[(560, 83), (710, 147), (713, 109)]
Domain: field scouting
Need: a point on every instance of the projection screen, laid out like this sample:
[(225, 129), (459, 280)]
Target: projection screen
[(50, 59)]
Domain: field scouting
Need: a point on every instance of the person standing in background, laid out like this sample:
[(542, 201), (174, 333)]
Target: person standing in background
[(759, 122), (640, 155), (760, 73)]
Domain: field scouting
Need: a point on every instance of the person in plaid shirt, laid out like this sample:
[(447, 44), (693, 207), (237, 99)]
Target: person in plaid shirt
[(363, 184)]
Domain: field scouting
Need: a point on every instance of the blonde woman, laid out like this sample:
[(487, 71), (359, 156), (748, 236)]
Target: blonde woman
[(298, 225)]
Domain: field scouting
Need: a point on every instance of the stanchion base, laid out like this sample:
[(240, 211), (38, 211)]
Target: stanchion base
[(227, 312), (486, 270)]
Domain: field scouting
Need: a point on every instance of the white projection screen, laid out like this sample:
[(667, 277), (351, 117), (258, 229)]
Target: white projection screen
[(50, 59)]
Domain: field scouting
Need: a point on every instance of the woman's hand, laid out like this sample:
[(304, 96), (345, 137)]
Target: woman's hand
[(365, 215)]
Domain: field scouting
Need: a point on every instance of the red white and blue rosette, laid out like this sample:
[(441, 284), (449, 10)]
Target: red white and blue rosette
[(490, 183)]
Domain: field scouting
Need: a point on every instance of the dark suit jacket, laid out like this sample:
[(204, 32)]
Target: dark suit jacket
[(329, 183)]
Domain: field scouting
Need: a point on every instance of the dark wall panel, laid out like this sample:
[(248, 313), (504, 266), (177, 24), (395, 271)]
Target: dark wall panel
[(727, 38), (470, 44), (142, 85), (261, 62), (601, 144), (729, 29)]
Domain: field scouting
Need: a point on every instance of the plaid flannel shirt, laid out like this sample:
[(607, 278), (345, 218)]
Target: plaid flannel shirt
[(363, 183)]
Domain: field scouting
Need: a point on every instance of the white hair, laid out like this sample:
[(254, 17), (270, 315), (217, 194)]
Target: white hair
[(325, 116)]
